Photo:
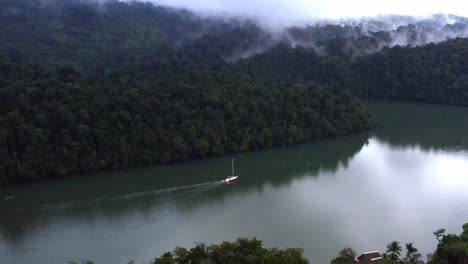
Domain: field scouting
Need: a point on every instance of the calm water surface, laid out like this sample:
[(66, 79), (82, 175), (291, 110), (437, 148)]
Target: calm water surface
[(401, 182)]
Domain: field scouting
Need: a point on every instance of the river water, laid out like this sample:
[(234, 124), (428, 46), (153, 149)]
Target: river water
[(401, 181)]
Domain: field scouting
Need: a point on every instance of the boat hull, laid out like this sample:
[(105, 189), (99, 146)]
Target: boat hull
[(231, 179)]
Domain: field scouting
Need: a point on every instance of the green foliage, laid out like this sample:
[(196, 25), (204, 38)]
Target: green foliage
[(439, 234), (412, 255), (434, 73), (345, 256), (55, 123), (94, 36), (452, 249), (144, 41), (158, 101), (394, 251), (242, 251)]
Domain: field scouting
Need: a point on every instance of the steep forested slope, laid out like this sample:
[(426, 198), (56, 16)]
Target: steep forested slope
[(123, 84), (104, 36), (436, 73), (95, 36), (58, 122)]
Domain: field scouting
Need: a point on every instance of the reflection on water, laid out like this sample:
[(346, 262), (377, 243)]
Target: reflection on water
[(401, 181), (427, 126)]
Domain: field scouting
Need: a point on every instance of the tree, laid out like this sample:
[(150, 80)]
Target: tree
[(166, 258), (394, 249), (242, 251), (439, 233), (412, 255), (410, 249), (345, 256), (452, 249), (59, 122)]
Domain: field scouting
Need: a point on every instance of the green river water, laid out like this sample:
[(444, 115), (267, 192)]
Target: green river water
[(401, 181)]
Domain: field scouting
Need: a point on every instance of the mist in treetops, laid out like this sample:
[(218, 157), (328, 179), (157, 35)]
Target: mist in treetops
[(357, 28), (97, 85)]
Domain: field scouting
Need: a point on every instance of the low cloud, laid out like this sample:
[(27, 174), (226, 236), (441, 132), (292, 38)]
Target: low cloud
[(288, 11)]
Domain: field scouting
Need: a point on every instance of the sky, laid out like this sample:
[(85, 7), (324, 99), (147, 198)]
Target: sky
[(298, 10)]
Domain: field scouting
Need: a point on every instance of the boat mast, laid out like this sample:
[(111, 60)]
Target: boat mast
[(232, 163)]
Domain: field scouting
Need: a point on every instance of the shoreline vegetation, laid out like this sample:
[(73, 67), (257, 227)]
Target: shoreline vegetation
[(56, 123), (161, 88), (451, 249)]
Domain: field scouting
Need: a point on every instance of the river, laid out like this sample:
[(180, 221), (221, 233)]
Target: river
[(401, 181)]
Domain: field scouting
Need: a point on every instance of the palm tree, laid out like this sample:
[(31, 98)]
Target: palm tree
[(394, 249), (410, 250), (412, 255)]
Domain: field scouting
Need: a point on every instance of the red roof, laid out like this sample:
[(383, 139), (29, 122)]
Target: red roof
[(369, 256)]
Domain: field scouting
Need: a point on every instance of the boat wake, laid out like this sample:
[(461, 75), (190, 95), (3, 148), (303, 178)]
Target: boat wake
[(179, 192), (193, 187)]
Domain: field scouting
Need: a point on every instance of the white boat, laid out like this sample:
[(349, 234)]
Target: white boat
[(234, 177)]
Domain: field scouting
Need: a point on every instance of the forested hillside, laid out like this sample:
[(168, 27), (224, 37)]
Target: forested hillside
[(93, 36), (104, 36), (143, 40), (88, 85), (435, 73), (59, 122)]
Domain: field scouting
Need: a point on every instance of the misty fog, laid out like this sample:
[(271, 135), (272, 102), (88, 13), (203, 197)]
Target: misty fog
[(410, 23), (297, 10), (362, 26)]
